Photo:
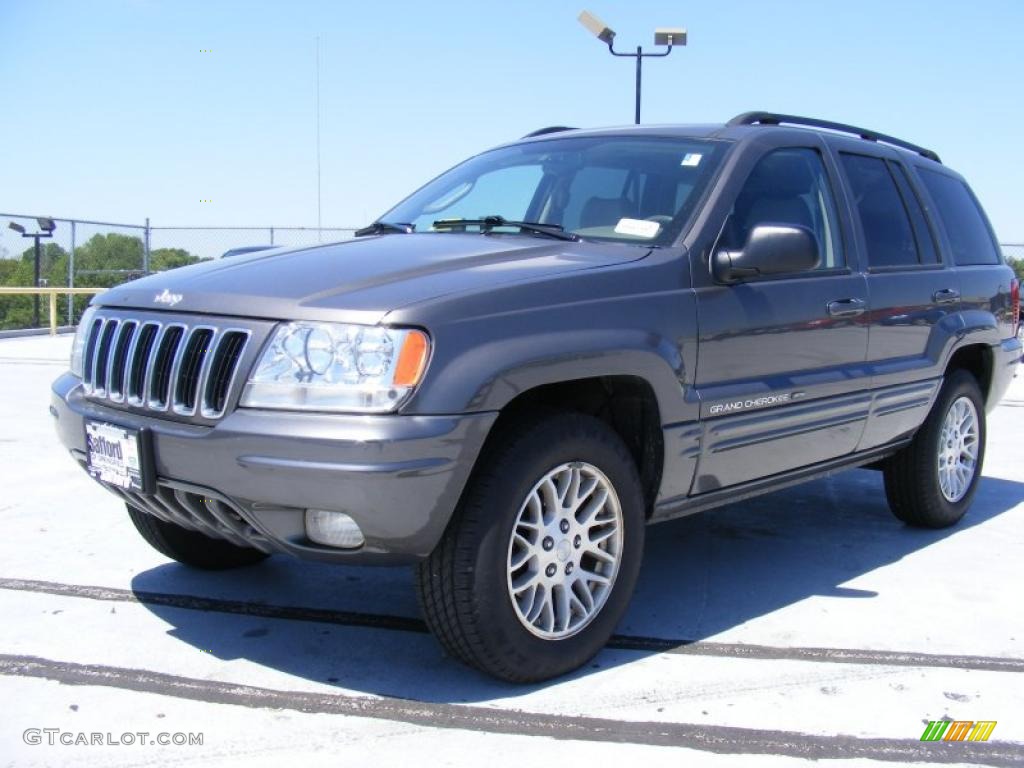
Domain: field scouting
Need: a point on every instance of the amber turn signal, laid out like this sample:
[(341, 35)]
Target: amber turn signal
[(412, 360)]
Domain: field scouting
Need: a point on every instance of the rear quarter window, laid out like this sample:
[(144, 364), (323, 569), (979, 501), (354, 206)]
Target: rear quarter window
[(965, 225)]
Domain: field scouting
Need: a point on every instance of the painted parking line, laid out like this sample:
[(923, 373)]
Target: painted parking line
[(618, 642), (709, 738)]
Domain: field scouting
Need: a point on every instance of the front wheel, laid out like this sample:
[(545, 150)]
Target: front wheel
[(538, 565), (931, 482)]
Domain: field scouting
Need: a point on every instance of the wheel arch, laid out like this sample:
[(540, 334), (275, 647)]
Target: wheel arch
[(626, 403), (978, 360)]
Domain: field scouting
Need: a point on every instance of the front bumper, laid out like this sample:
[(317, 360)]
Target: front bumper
[(398, 477)]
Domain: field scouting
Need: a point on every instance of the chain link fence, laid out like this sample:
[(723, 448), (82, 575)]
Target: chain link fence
[(212, 242), (84, 253), (1013, 251)]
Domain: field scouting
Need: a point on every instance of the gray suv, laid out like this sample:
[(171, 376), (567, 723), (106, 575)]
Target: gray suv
[(509, 374)]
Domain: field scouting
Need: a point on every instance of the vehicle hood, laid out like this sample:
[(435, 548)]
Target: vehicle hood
[(360, 280)]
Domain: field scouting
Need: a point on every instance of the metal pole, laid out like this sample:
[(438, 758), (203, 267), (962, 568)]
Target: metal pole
[(639, 56), (71, 278), (145, 250), (35, 298), (319, 223), (639, 62), (271, 235)]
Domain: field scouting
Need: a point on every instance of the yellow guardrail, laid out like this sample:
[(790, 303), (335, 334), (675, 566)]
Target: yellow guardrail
[(53, 293)]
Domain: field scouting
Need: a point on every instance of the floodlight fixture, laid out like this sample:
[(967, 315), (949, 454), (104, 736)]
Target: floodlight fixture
[(46, 227), (670, 36), (598, 28), (666, 37)]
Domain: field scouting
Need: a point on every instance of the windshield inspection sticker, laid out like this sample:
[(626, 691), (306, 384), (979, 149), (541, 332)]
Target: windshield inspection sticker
[(638, 228), (692, 160)]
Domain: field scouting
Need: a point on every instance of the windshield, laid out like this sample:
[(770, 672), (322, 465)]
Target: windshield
[(621, 189)]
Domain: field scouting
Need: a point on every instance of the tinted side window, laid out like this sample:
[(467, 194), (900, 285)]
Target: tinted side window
[(887, 231), (965, 225), (787, 186), (922, 232)]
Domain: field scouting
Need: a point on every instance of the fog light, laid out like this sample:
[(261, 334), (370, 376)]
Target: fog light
[(335, 529)]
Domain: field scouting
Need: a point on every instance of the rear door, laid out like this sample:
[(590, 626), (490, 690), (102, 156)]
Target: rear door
[(780, 371), (914, 297)]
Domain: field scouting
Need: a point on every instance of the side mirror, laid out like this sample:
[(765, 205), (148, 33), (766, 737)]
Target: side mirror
[(771, 249)]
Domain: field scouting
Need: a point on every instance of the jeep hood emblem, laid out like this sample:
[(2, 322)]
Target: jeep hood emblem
[(168, 298)]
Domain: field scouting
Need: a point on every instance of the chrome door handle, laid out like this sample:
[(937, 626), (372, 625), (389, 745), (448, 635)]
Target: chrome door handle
[(946, 296), (846, 307)]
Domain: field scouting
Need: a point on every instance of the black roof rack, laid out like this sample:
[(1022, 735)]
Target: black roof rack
[(770, 118), (549, 129)]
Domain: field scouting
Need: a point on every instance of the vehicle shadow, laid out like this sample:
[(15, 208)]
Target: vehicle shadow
[(702, 575)]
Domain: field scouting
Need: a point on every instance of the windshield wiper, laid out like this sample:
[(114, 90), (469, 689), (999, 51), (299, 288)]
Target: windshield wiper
[(385, 228), (487, 223)]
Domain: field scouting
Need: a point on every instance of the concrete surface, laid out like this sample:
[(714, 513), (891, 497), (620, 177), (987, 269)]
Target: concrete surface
[(807, 624)]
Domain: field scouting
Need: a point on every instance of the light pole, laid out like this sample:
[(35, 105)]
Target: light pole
[(666, 36), (46, 227)]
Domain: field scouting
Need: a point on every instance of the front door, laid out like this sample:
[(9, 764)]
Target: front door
[(781, 360)]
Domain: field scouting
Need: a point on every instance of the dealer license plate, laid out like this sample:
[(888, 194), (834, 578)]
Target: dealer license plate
[(113, 455)]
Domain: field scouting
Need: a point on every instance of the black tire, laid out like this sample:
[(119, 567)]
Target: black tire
[(463, 587), (912, 475), (190, 547)]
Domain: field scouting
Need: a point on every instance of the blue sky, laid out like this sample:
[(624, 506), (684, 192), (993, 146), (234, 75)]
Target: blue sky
[(112, 111)]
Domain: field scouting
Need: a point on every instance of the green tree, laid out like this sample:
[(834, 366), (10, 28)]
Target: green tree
[(1018, 268), (170, 258), (106, 260), (17, 311)]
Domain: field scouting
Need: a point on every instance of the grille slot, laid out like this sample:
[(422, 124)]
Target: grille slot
[(116, 369), (222, 372), (143, 362), (90, 351), (102, 356), (166, 353), (140, 362), (186, 384)]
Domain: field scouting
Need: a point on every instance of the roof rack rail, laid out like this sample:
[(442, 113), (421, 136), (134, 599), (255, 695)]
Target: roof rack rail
[(771, 118), (549, 129)]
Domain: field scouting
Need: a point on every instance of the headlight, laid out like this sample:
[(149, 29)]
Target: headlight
[(78, 345), (335, 367)]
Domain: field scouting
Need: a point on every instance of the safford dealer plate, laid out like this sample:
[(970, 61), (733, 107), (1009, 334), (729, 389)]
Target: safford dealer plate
[(113, 455)]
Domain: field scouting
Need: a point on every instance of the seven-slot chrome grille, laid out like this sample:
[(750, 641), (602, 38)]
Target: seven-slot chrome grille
[(181, 366)]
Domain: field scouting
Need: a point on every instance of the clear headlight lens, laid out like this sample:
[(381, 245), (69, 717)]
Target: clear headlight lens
[(78, 345), (337, 367)]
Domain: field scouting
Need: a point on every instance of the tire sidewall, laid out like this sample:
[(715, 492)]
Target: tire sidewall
[(514, 478), (959, 385)]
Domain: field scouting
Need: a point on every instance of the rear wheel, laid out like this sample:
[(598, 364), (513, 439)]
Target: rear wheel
[(191, 547), (538, 565), (932, 482)]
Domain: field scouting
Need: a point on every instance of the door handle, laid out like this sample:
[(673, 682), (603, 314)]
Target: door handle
[(846, 307), (946, 296)]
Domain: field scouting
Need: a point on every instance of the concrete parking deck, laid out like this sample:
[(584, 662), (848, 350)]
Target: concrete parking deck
[(807, 624)]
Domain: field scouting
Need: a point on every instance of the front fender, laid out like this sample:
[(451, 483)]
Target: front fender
[(481, 364)]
